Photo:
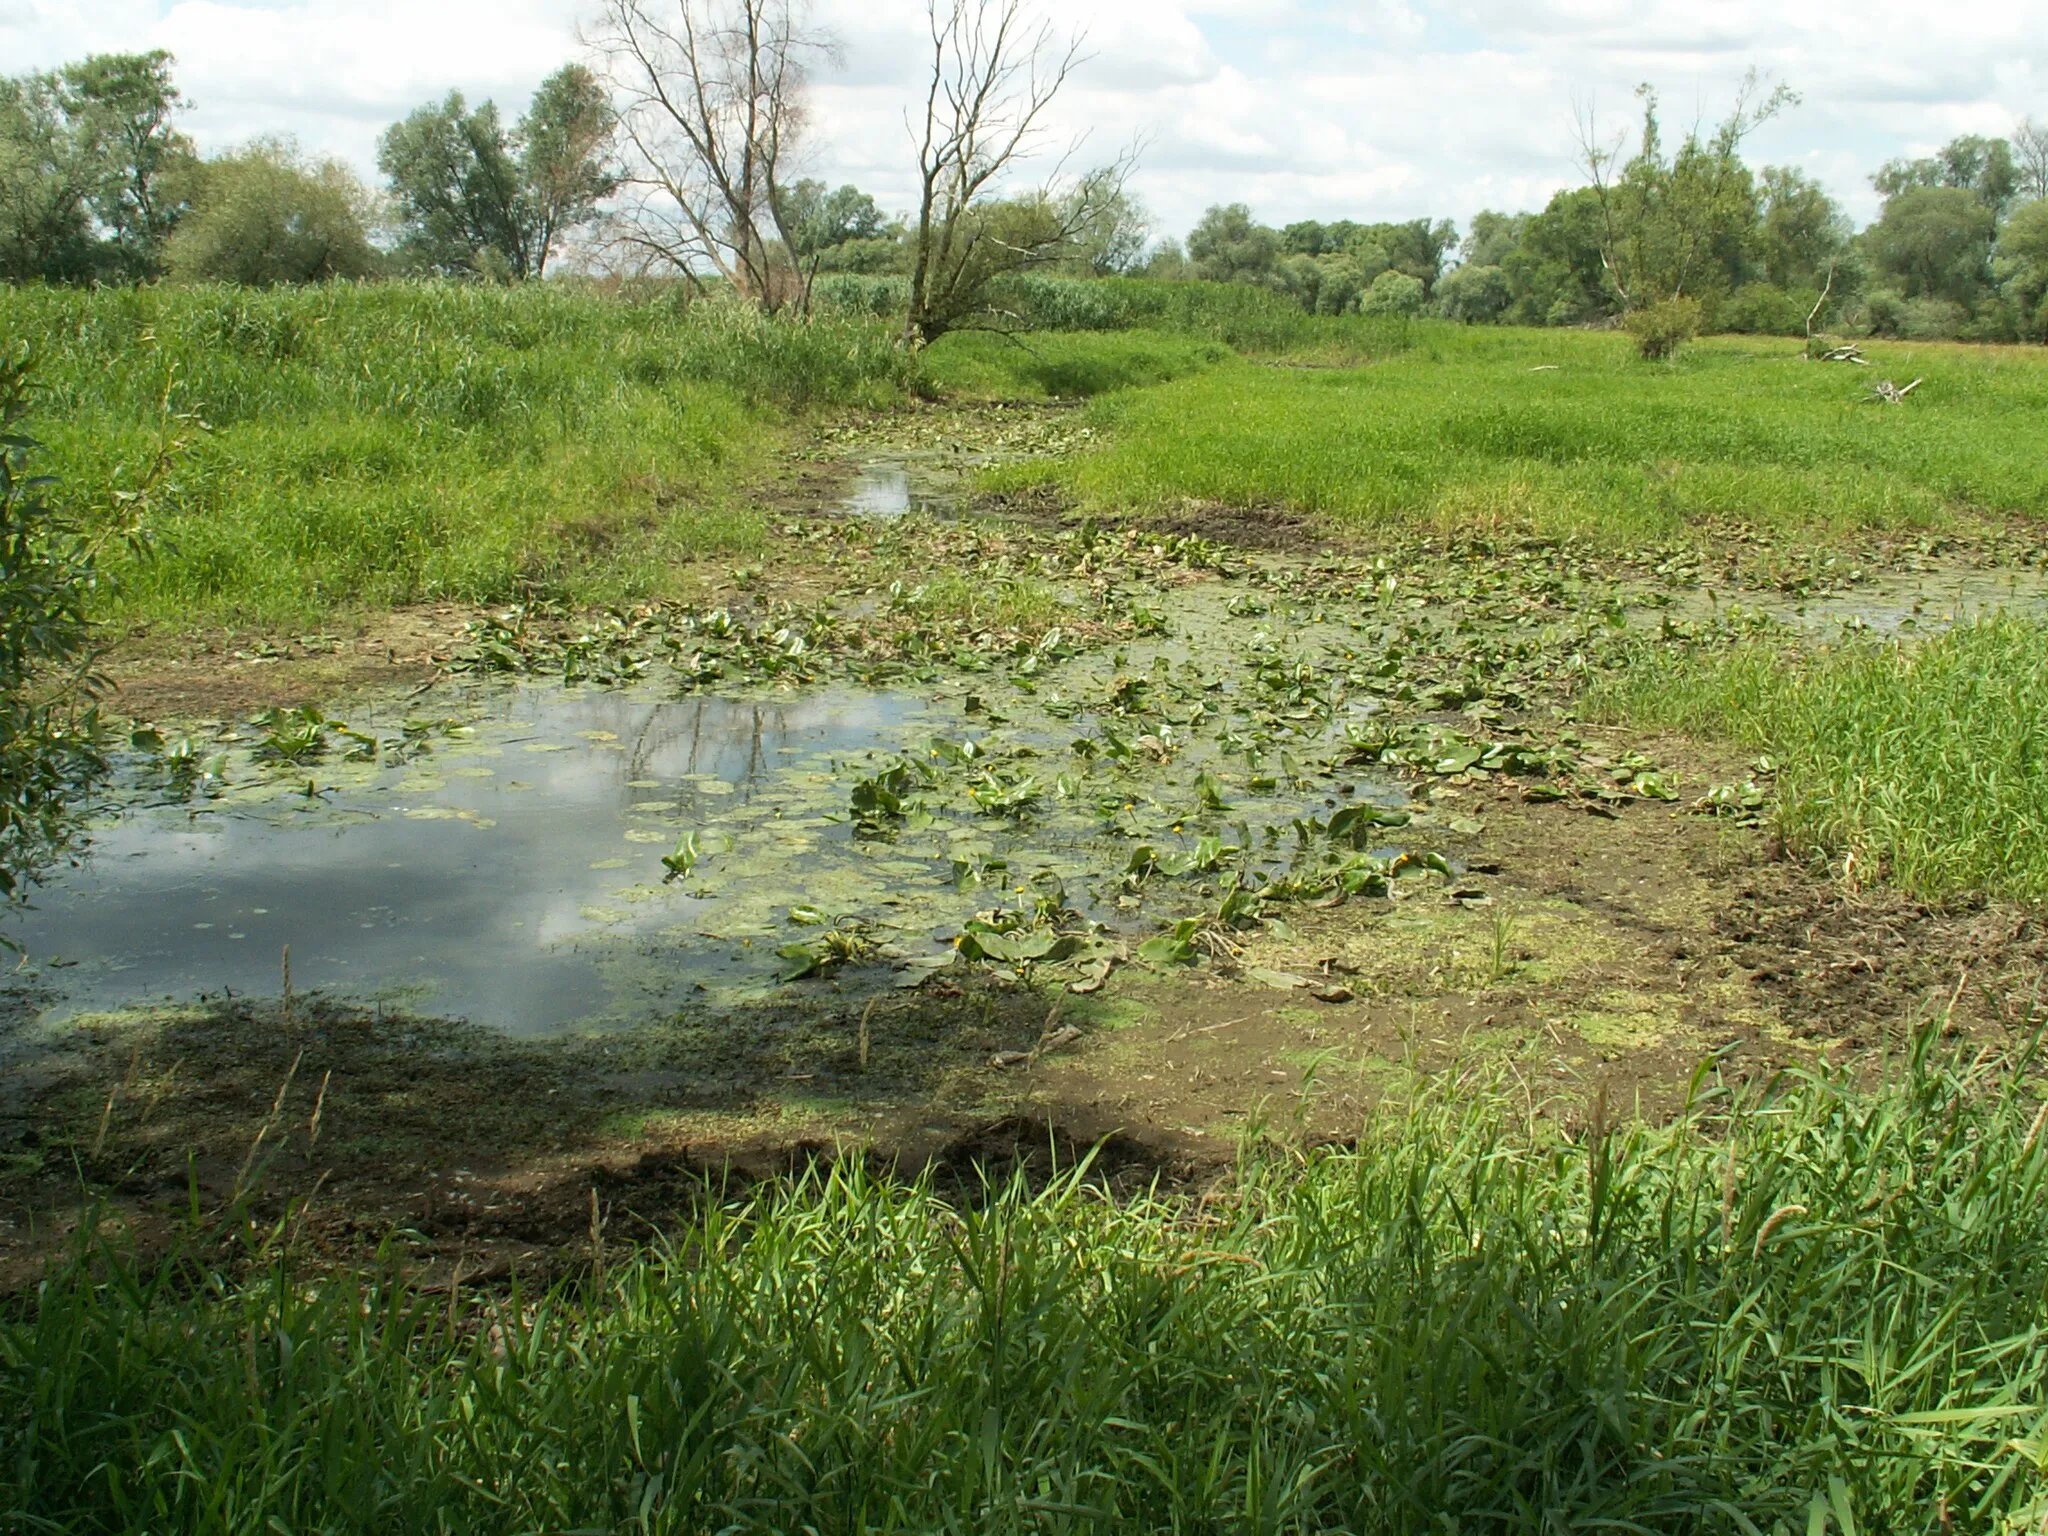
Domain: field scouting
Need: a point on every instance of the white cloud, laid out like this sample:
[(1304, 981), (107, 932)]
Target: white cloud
[(1331, 108)]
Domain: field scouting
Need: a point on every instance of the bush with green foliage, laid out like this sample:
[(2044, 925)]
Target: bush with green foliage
[(265, 215), (1394, 293), (1762, 309), (1660, 329), (49, 731), (1473, 294)]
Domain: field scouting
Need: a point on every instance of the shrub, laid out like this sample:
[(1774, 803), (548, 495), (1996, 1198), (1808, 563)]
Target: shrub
[(1394, 293), (1474, 294), (1932, 320), (1762, 309), (1660, 329), (265, 216), (48, 742), (1884, 312)]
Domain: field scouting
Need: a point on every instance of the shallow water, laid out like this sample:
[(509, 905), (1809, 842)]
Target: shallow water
[(892, 488), (498, 878), (1896, 603), (512, 874)]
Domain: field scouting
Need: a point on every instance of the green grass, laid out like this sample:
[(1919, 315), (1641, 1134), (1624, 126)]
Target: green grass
[(1240, 316), (1819, 1310), (370, 446), (1046, 365), (1569, 433), (1926, 761)]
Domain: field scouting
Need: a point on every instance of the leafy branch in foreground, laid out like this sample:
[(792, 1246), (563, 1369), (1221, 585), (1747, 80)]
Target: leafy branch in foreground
[(50, 574), (49, 727)]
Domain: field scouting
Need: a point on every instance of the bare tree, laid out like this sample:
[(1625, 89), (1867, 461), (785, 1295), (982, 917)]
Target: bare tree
[(710, 104), (2030, 149), (995, 69)]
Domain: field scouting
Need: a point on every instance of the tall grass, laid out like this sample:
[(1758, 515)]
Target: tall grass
[(1819, 1309), (1062, 365), (1238, 315), (380, 445), (1569, 433), (1925, 761)]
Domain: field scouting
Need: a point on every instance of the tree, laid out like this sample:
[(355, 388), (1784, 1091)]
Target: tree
[(90, 170), (993, 72), (711, 111), (1111, 230), (1168, 262), (2022, 268), (455, 180), (1557, 272), (1417, 247), (1228, 246), (1970, 163), (265, 215), (1801, 232), (1492, 236), (840, 231), (1935, 242), (48, 171), (565, 159), (2030, 158), (1677, 227), (474, 198), (128, 99)]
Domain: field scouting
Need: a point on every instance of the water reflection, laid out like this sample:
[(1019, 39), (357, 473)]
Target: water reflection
[(493, 879), (889, 489)]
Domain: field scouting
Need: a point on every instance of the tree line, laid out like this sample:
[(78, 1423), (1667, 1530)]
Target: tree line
[(672, 151), (1690, 235)]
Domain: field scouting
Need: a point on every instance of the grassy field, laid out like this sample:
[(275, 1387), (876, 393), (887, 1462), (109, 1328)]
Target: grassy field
[(1569, 433), (1814, 1309), (379, 446), (371, 447), (363, 448)]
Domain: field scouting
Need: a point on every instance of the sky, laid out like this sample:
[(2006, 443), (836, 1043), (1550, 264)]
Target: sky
[(1371, 109)]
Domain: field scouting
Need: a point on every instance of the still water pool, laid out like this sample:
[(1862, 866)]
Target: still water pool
[(511, 874)]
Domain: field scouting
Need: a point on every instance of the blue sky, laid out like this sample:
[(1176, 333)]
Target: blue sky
[(1370, 109)]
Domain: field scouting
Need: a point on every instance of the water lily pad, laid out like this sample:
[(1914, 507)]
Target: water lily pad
[(1286, 981)]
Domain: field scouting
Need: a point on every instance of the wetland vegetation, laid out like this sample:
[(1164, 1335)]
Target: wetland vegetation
[(1513, 857)]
